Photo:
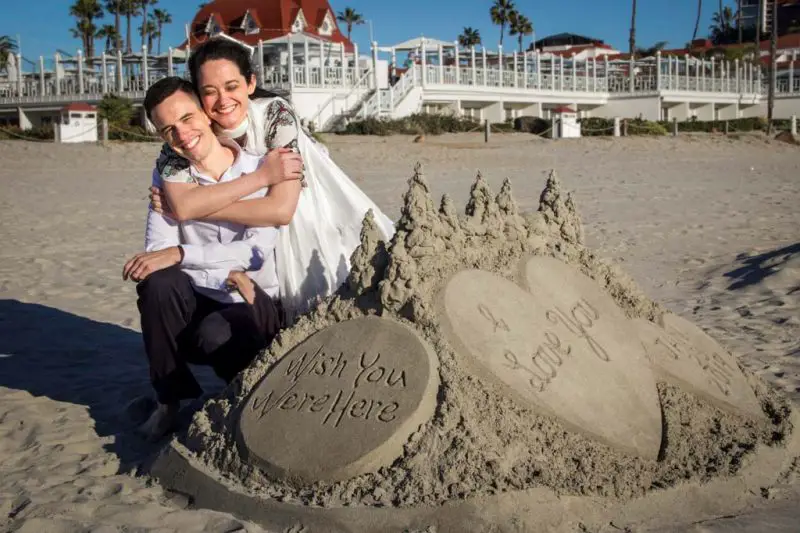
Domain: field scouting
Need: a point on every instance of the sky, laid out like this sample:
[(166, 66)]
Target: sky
[(43, 25)]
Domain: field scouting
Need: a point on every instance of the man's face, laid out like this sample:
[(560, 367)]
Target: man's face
[(184, 126)]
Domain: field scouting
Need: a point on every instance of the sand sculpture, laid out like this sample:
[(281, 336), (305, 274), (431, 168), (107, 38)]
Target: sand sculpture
[(474, 356)]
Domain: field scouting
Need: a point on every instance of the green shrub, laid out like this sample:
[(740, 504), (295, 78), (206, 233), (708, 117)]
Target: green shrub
[(132, 134), (39, 133), (535, 125), (420, 123), (117, 109), (597, 127), (645, 127)]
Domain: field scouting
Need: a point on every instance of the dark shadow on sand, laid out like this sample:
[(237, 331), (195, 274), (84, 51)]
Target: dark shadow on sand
[(755, 269), (69, 358)]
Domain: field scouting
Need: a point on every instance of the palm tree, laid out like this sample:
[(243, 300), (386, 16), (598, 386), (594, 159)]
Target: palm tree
[(86, 11), (350, 17), (115, 6), (469, 37), (161, 17), (150, 29), (697, 20), (130, 8), (632, 38), (145, 27), (520, 26), (109, 33), (7, 47), (501, 15), (722, 27), (651, 50)]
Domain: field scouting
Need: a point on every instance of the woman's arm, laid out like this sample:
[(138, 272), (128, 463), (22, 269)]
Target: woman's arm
[(275, 209), (190, 201)]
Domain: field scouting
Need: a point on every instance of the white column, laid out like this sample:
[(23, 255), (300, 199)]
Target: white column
[(458, 63), (574, 74), (516, 73), (525, 70), (322, 80), (594, 74), (424, 64), (560, 73), (631, 75), (738, 75), (56, 74), (474, 67), (500, 63), (586, 74), (20, 82), (687, 71), (80, 72), (262, 74), (290, 61), (658, 70), (759, 78), (375, 74), (485, 68), (713, 73), (105, 72), (356, 73), (145, 71), (791, 76), (441, 64), (42, 88), (538, 70), (606, 73), (793, 125), (120, 77), (703, 74), (343, 62), (171, 65)]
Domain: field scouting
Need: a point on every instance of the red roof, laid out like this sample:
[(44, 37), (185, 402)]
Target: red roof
[(563, 109), (273, 17), (79, 106)]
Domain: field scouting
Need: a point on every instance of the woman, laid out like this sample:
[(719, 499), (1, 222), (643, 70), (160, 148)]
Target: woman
[(314, 249)]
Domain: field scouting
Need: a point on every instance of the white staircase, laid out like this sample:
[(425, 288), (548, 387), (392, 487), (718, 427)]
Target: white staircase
[(384, 102)]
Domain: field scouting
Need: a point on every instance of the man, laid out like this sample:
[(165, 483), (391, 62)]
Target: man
[(196, 304)]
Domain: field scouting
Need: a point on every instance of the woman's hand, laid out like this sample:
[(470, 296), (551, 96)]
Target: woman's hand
[(239, 281), (158, 202), (279, 165)]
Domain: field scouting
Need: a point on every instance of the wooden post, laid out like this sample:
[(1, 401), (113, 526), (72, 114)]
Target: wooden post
[(625, 127), (486, 130), (674, 126), (104, 130), (727, 127), (616, 127), (794, 125)]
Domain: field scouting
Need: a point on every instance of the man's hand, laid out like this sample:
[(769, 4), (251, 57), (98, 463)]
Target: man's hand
[(158, 202), (280, 165), (142, 265)]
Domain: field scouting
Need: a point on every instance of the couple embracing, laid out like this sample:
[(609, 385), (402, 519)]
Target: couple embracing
[(250, 223)]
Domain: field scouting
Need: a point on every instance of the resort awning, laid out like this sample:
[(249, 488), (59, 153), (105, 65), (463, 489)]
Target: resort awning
[(415, 44)]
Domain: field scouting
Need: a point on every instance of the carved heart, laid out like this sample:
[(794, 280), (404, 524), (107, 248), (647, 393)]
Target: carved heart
[(564, 347), (683, 354)]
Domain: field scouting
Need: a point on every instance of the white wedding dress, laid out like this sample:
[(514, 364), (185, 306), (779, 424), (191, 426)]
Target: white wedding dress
[(313, 252)]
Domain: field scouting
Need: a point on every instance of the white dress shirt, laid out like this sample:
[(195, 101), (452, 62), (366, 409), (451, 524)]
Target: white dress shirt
[(212, 249)]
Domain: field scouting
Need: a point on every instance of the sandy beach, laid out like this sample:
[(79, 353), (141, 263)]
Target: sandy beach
[(708, 226)]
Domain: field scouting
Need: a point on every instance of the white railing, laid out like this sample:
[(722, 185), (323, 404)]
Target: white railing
[(362, 83)]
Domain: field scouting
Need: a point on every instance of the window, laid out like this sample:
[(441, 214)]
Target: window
[(75, 115), (90, 115), (250, 26), (213, 27), (326, 28), (299, 23)]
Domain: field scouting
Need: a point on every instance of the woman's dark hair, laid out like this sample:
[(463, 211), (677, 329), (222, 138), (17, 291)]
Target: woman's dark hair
[(235, 53)]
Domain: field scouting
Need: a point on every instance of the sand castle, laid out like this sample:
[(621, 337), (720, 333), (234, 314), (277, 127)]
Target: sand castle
[(483, 370)]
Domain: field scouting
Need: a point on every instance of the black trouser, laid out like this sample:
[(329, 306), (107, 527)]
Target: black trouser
[(182, 326)]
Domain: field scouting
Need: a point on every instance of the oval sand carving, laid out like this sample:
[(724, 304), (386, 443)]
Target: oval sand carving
[(341, 403), (566, 348), (687, 356)]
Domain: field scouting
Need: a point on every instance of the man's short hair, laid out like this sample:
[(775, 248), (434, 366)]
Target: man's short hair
[(163, 89)]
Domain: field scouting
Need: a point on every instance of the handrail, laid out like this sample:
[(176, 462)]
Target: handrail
[(356, 85)]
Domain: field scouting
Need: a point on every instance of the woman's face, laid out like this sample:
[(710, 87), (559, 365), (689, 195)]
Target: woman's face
[(224, 92)]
